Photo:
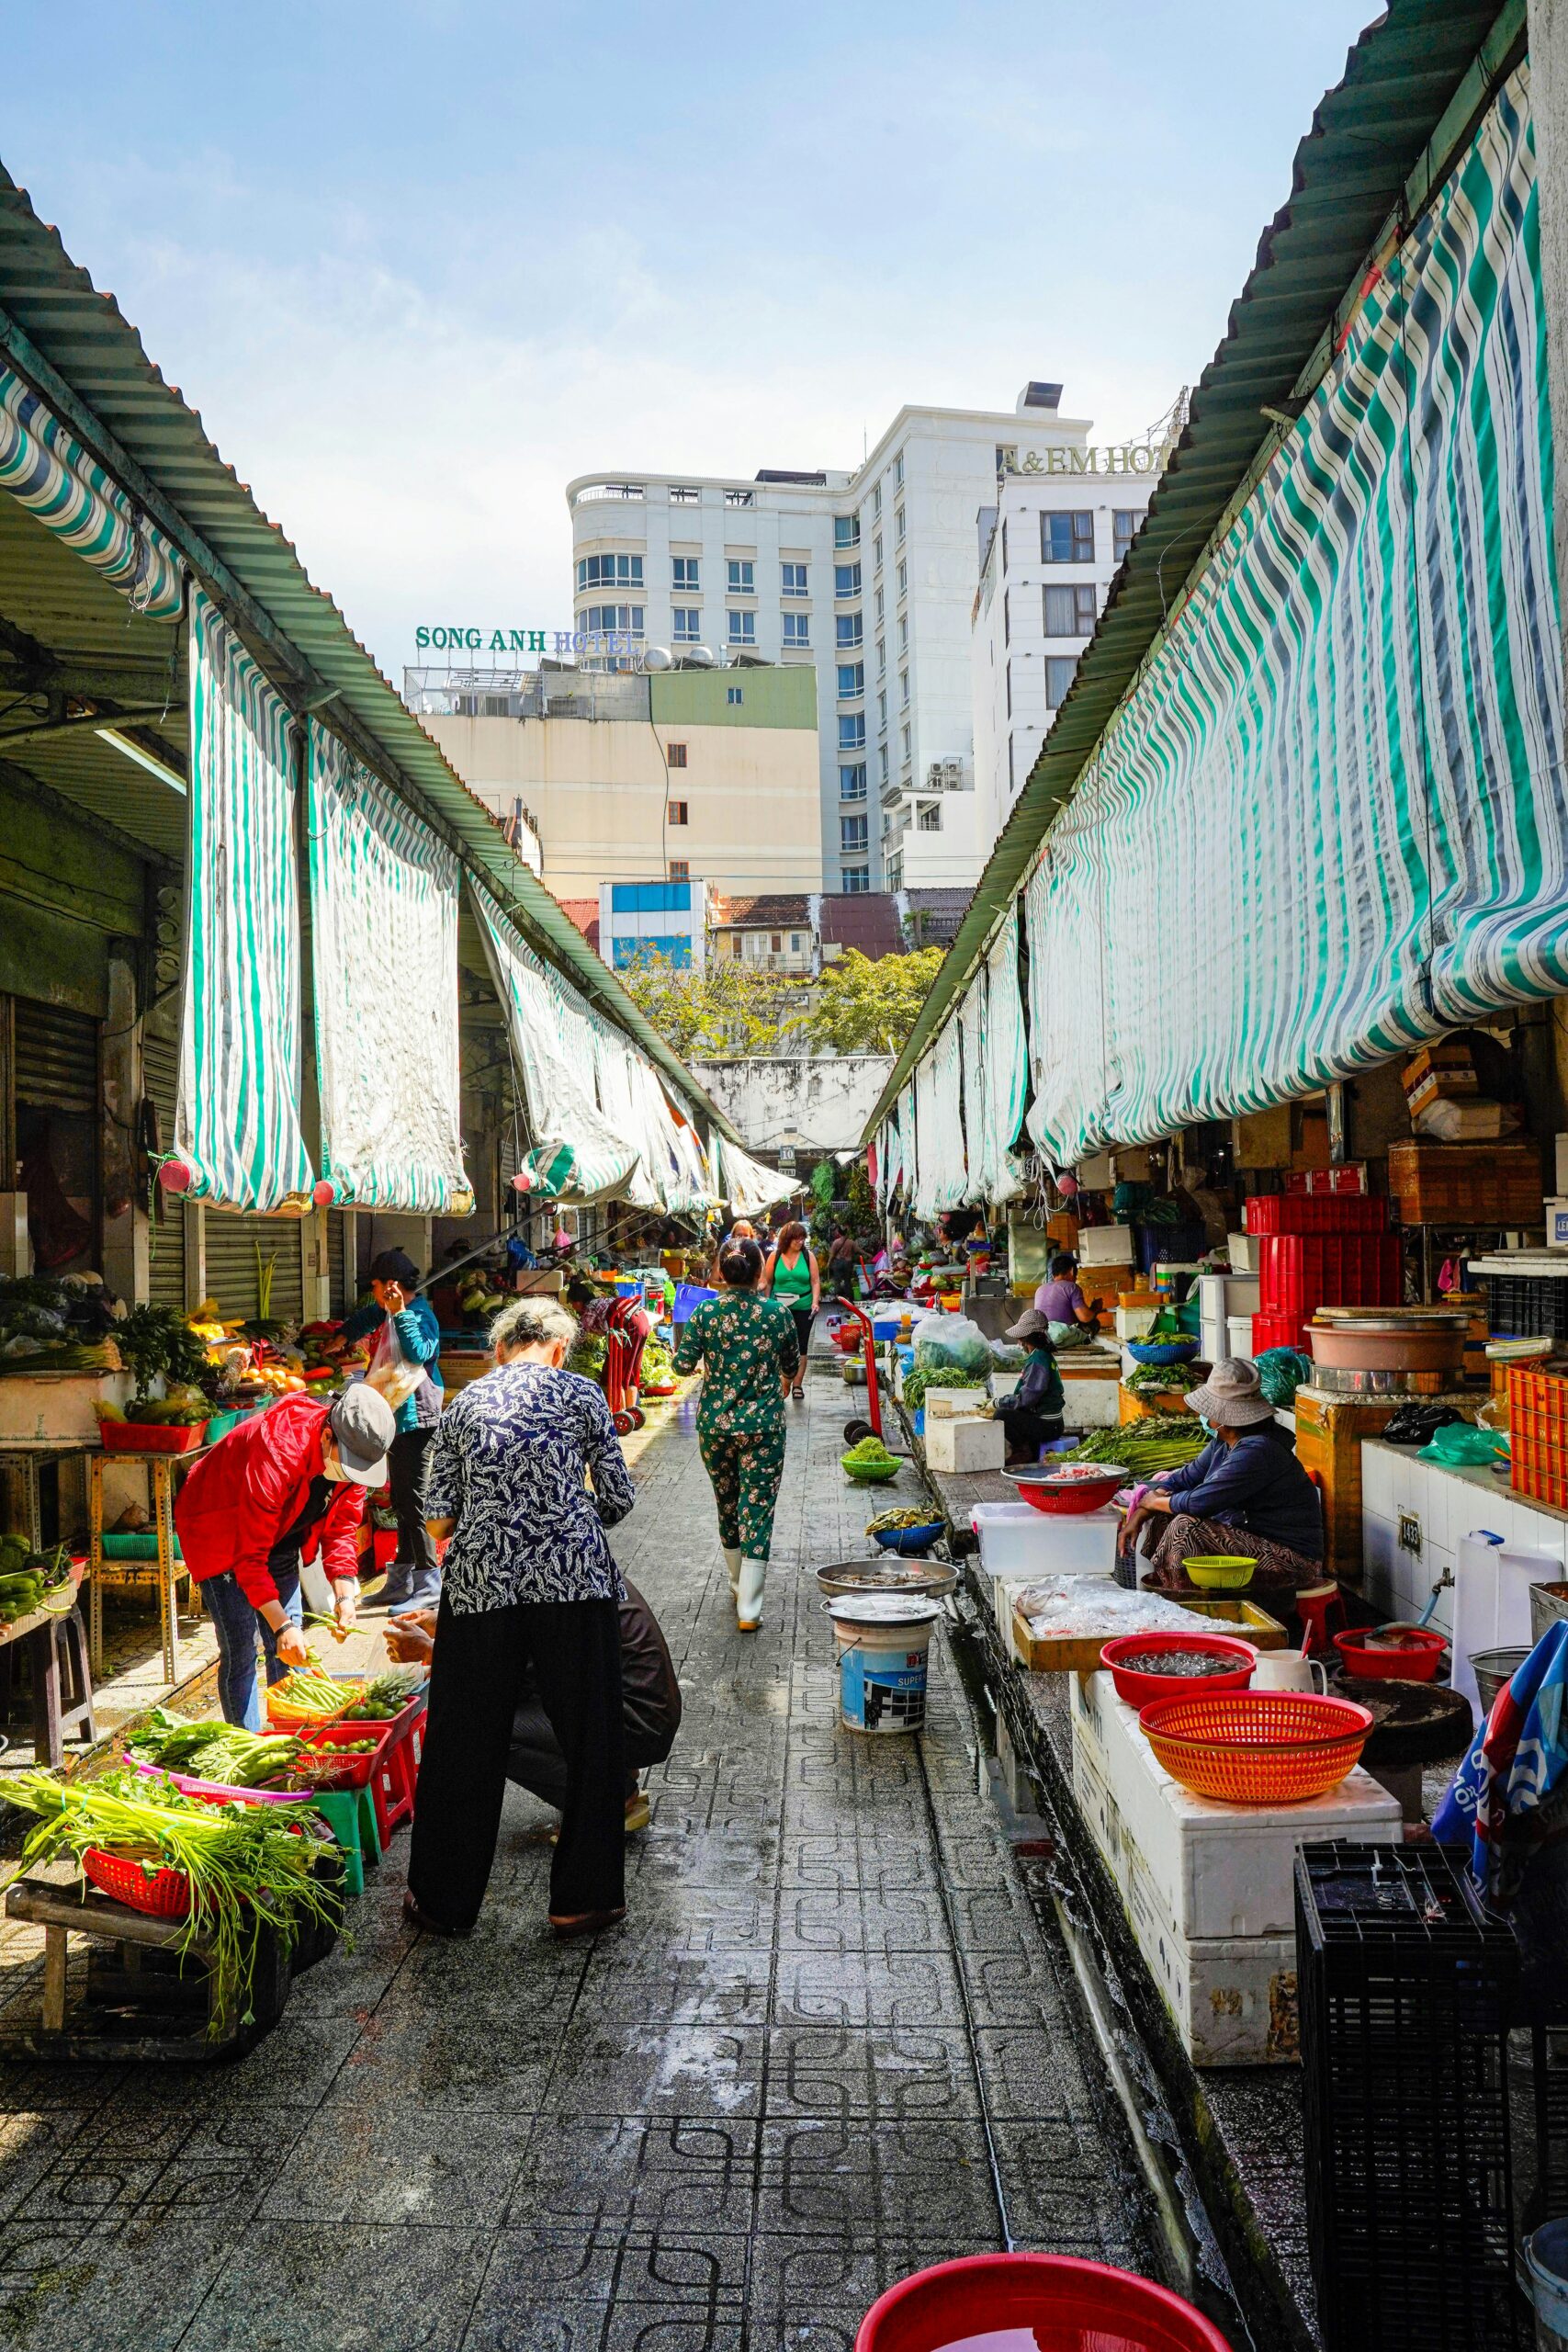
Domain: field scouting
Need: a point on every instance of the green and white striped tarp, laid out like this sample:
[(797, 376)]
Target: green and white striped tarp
[(943, 1177), (50, 473), (383, 971), (1330, 820), (995, 1071), (237, 1129), (552, 1045)]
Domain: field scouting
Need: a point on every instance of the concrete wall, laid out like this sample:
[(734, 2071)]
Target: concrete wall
[(821, 1102)]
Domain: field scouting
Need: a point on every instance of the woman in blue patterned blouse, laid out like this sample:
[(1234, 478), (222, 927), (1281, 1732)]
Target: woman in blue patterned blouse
[(528, 1579)]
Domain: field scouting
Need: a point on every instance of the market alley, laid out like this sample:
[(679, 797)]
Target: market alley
[(831, 2045)]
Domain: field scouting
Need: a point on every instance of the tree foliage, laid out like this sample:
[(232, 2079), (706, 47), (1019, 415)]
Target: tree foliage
[(731, 1009), (868, 1007)]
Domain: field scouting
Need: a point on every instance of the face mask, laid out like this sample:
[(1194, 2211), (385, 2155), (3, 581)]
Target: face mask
[(1208, 1428), (331, 1466)]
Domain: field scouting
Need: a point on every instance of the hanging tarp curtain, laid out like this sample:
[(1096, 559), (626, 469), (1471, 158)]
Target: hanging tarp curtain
[(889, 1163), (971, 1023), (939, 1126), (1339, 782), (745, 1183), (577, 1155), (384, 968), (47, 470), (238, 1141), (622, 1103), (1007, 1072), (909, 1142)]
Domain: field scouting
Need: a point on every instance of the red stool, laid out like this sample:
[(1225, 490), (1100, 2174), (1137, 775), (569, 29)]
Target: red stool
[(1315, 1603)]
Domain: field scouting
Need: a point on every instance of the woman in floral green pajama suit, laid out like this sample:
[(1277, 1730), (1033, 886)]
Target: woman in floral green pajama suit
[(749, 1353)]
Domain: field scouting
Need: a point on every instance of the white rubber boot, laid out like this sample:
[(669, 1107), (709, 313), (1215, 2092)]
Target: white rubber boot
[(732, 1563), (749, 1599)]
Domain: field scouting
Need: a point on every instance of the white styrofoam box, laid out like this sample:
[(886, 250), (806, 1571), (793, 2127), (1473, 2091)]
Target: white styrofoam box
[(1105, 1245), (1090, 1391), (1018, 1540), (1238, 1335), (1221, 1869), (962, 1446), (952, 1404), (1220, 1295), (1243, 1252), (1231, 1999), (1001, 1383), (1135, 1322), (57, 1408)]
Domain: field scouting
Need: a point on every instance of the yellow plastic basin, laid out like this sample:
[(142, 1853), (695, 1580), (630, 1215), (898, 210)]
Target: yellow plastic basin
[(1216, 1573)]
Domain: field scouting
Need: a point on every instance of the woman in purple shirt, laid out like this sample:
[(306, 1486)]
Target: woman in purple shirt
[(1060, 1300)]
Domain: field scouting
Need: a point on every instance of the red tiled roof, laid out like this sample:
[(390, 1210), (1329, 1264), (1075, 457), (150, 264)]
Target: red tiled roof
[(781, 912), (584, 914)]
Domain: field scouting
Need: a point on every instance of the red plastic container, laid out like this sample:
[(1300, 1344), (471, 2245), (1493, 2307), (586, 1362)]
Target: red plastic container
[(164, 1895), (1068, 1497), (1279, 1331), (1257, 1746), (1142, 1689), (1416, 1659), (1316, 1213), (146, 1437), (1066, 2305), (1299, 1272)]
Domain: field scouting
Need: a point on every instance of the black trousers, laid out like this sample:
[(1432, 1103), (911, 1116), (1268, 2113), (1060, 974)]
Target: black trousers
[(1027, 1432), (804, 1318), (405, 1475), (477, 1675)]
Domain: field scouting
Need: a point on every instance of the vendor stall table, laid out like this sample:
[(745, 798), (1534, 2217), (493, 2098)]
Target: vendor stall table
[(56, 1713), (166, 1570), (27, 1456)]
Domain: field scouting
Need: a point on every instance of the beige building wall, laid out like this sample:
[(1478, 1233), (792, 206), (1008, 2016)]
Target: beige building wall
[(599, 792)]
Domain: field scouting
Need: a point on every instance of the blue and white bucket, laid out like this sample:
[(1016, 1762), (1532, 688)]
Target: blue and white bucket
[(883, 1647), (1546, 2260)]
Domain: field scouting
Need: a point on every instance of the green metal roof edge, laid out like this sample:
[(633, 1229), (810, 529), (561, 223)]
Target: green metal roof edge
[(147, 437), (1277, 344)]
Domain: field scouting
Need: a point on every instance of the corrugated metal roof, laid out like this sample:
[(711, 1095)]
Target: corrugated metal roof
[(79, 351), (1413, 82)]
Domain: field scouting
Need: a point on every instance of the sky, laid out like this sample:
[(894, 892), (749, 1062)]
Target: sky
[(419, 264)]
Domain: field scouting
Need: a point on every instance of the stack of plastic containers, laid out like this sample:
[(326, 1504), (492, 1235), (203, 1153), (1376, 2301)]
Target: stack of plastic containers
[(1319, 1249)]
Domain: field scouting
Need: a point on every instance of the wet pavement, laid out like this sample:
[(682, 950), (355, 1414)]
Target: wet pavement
[(832, 2044)]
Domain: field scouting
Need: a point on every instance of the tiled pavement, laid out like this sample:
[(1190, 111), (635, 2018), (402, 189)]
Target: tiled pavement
[(831, 2045)]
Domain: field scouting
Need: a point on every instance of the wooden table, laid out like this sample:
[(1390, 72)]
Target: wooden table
[(51, 1719), (161, 1469)]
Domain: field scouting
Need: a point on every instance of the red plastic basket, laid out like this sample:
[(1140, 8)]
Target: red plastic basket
[(1299, 1272), (1414, 1661), (1279, 1331), (146, 1437), (1257, 1746), (1316, 1213), (161, 1894), (356, 1770), (1064, 2303), (1143, 1689), (1069, 1496)]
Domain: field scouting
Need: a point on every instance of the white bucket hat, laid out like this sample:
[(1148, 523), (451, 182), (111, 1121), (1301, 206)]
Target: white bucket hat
[(1232, 1398)]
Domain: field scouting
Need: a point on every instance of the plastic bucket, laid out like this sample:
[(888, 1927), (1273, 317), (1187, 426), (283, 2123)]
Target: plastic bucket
[(1036, 2302), (884, 1649), (1546, 2260)]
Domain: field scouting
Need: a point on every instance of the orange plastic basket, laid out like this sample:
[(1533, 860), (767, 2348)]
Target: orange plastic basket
[(161, 1893), (1256, 1747), (282, 1716)]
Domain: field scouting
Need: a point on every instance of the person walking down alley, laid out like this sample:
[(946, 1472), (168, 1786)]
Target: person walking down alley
[(792, 1276), (405, 1367), (530, 1586), (750, 1357)]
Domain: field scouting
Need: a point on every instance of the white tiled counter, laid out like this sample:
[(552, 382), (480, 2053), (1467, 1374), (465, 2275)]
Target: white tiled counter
[(1417, 1521)]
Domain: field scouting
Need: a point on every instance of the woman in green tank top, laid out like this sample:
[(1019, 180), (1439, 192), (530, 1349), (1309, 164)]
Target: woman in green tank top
[(791, 1276)]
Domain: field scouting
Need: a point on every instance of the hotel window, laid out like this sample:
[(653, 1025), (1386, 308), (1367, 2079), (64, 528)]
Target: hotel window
[(876, 553), (851, 782), (796, 631), (1007, 617), (1069, 612), (679, 870), (853, 834), (882, 657), (882, 762), (847, 630), (1059, 667), (903, 687), (898, 471), (688, 625), (846, 580), (685, 569), (846, 530), (903, 632), (742, 576), (905, 743), (677, 812), (734, 694), (882, 710), (1125, 522), (880, 607), (742, 628), (903, 579), (1004, 547), (851, 730), (851, 680), (674, 755), (596, 618), (1012, 780), (685, 493), (857, 878), (792, 580), (1007, 673), (609, 572), (898, 527), (876, 502), (1067, 536)]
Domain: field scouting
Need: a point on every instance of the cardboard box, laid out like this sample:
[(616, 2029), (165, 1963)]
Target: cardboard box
[(960, 1447), (1243, 1250), (1447, 1058)]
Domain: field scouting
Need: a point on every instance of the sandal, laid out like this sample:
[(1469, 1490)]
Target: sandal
[(414, 1917), (585, 1923)]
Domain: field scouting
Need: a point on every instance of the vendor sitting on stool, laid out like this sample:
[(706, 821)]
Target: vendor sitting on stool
[(1031, 1416), (1074, 1319), (1245, 1495)]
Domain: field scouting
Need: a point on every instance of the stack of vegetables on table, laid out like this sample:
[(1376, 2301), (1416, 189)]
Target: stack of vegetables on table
[(657, 1376), (244, 1867), (921, 1377), (1162, 1441), (1158, 1380), (57, 1323), (30, 1580)]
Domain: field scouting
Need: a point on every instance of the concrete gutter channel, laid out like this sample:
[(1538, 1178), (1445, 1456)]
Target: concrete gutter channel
[(1222, 2151)]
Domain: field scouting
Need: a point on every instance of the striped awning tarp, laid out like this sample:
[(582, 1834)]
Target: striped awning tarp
[(909, 1142), (577, 1154), (50, 473), (238, 1138), (941, 1175), (384, 968), (745, 1183), (1336, 796)]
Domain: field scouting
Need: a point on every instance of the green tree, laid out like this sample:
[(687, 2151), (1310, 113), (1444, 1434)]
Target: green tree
[(730, 1011), (869, 1007)]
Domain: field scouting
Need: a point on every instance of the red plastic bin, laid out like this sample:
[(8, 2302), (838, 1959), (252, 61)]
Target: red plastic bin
[(152, 1437), (1299, 1272), (1279, 1331), (1316, 1213), (394, 1768), (1064, 2303)]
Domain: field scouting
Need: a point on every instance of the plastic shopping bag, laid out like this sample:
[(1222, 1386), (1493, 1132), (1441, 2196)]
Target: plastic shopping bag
[(392, 1374)]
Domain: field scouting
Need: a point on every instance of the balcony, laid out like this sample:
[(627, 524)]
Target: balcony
[(625, 493)]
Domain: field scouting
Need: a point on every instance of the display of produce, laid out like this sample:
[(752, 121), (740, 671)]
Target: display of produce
[(307, 1692), (923, 1376), (869, 1463), (1158, 1380), (384, 1695), (1163, 1442), (59, 1323), (889, 1523), (29, 1577), (244, 1867), (210, 1749)]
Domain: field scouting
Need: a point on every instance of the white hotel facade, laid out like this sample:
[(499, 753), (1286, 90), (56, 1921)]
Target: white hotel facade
[(871, 576)]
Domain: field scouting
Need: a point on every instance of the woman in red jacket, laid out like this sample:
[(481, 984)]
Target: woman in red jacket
[(293, 1477)]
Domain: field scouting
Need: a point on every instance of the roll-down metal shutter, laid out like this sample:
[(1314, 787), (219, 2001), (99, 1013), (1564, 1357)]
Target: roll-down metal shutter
[(231, 1243)]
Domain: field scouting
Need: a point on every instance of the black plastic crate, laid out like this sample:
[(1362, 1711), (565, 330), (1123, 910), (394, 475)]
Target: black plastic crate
[(1527, 1306), (1406, 1989)]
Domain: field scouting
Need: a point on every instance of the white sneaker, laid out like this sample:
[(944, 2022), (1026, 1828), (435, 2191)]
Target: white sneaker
[(749, 1597), (732, 1563)]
